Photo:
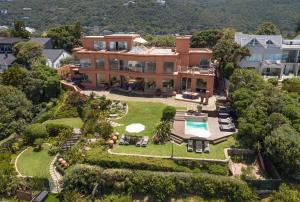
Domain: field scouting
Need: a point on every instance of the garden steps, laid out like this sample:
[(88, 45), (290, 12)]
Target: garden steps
[(176, 139), (70, 142), (56, 177)]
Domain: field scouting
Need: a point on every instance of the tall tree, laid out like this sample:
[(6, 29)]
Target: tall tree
[(206, 39), (267, 28), (19, 30), (29, 53)]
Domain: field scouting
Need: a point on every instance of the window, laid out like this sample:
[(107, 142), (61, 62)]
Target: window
[(114, 64), (255, 58), (99, 45), (254, 42), (100, 63), (118, 45), (112, 45), (204, 63), (201, 85), (86, 78), (150, 67), (85, 63), (269, 42), (100, 79), (168, 85), (273, 57), (169, 67)]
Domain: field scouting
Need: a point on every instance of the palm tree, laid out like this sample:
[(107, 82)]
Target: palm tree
[(163, 130)]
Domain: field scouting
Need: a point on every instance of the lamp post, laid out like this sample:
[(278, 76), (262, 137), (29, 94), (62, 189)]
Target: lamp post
[(172, 154)]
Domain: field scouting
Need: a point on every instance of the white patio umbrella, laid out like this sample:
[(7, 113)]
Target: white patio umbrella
[(135, 128)]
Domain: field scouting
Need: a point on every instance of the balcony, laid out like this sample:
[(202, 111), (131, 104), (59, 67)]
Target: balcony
[(197, 70)]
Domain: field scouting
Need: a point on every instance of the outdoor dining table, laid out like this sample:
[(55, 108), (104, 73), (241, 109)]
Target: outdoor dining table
[(190, 95)]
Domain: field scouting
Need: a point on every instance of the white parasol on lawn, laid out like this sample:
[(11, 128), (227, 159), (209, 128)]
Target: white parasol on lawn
[(135, 128)]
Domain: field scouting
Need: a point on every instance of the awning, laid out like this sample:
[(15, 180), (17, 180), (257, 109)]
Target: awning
[(140, 40)]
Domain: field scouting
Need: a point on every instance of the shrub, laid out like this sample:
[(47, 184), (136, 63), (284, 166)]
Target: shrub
[(273, 81), (35, 131), (53, 150), (168, 113), (54, 129), (60, 169), (158, 184), (104, 129)]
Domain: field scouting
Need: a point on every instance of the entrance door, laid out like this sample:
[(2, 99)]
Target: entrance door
[(186, 84)]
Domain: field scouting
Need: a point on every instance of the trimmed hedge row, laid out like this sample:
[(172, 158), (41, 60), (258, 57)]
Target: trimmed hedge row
[(105, 160), (161, 185)]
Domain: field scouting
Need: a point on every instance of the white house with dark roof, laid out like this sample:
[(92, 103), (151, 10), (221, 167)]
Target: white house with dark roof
[(270, 54), (54, 56)]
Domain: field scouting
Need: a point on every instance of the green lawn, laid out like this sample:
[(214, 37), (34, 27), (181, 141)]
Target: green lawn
[(73, 122), (52, 198), (149, 114), (216, 151), (35, 164)]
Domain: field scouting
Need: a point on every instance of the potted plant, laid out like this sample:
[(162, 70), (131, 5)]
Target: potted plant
[(199, 108)]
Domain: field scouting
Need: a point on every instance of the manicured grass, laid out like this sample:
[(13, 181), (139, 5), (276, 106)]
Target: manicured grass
[(73, 122), (52, 198), (35, 164), (149, 114), (146, 113), (216, 151)]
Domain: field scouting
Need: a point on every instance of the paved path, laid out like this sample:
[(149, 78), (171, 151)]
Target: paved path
[(56, 177)]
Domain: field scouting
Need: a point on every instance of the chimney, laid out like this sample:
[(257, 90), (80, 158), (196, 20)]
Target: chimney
[(183, 44)]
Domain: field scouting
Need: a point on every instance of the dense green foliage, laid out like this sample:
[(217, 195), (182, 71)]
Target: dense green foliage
[(146, 16), (96, 181), (168, 113), (163, 131), (15, 110), (268, 118), (161, 41), (40, 84), (286, 194), (19, 30), (35, 131), (206, 38), (267, 28)]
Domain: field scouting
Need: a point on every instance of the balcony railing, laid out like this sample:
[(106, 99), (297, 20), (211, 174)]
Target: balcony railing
[(197, 70)]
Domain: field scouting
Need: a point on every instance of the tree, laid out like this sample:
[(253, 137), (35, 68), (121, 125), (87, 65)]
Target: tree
[(292, 84), (14, 76), (104, 128), (19, 30), (66, 37), (168, 113), (38, 144), (15, 111), (163, 131), (283, 147), (276, 120), (206, 39), (29, 53), (267, 28), (241, 99), (161, 41)]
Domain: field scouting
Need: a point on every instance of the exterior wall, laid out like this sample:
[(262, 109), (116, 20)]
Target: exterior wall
[(183, 57)]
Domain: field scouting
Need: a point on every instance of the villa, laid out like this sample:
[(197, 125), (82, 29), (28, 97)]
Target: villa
[(123, 62), (271, 55)]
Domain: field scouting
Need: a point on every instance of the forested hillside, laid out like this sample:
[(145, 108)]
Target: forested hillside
[(150, 16)]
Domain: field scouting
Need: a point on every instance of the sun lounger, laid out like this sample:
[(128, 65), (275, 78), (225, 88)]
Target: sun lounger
[(190, 146), (139, 142), (127, 141), (206, 147), (228, 128), (199, 147), (223, 109), (122, 140), (227, 120), (224, 115), (145, 141)]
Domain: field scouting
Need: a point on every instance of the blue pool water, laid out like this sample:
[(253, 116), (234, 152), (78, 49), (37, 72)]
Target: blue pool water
[(197, 128)]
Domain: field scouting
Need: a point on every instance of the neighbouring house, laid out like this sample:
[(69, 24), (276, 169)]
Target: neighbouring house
[(271, 55), (54, 56), (122, 62), (6, 61)]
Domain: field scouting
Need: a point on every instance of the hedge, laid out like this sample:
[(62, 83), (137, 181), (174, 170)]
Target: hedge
[(105, 160), (161, 185), (54, 129)]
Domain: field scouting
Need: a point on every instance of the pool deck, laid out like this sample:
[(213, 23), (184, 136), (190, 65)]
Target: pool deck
[(213, 127)]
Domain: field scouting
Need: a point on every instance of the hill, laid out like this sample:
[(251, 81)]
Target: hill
[(152, 16)]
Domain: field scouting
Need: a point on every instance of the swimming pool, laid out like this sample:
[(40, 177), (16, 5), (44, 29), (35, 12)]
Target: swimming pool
[(196, 128)]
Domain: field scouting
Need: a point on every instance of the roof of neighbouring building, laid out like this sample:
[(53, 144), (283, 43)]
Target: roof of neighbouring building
[(7, 59), (10, 40), (42, 41), (53, 54), (244, 39), (297, 37)]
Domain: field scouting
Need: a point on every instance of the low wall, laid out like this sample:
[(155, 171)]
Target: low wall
[(69, 86)]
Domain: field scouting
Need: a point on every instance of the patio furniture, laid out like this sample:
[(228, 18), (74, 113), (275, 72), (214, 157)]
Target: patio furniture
[(224, 115), (206, 147), (139, 142), (127, 140), (227, 128), (122, 140), (227, 120), (190, 146), (199, 146), (224, 109), (145, 141)]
